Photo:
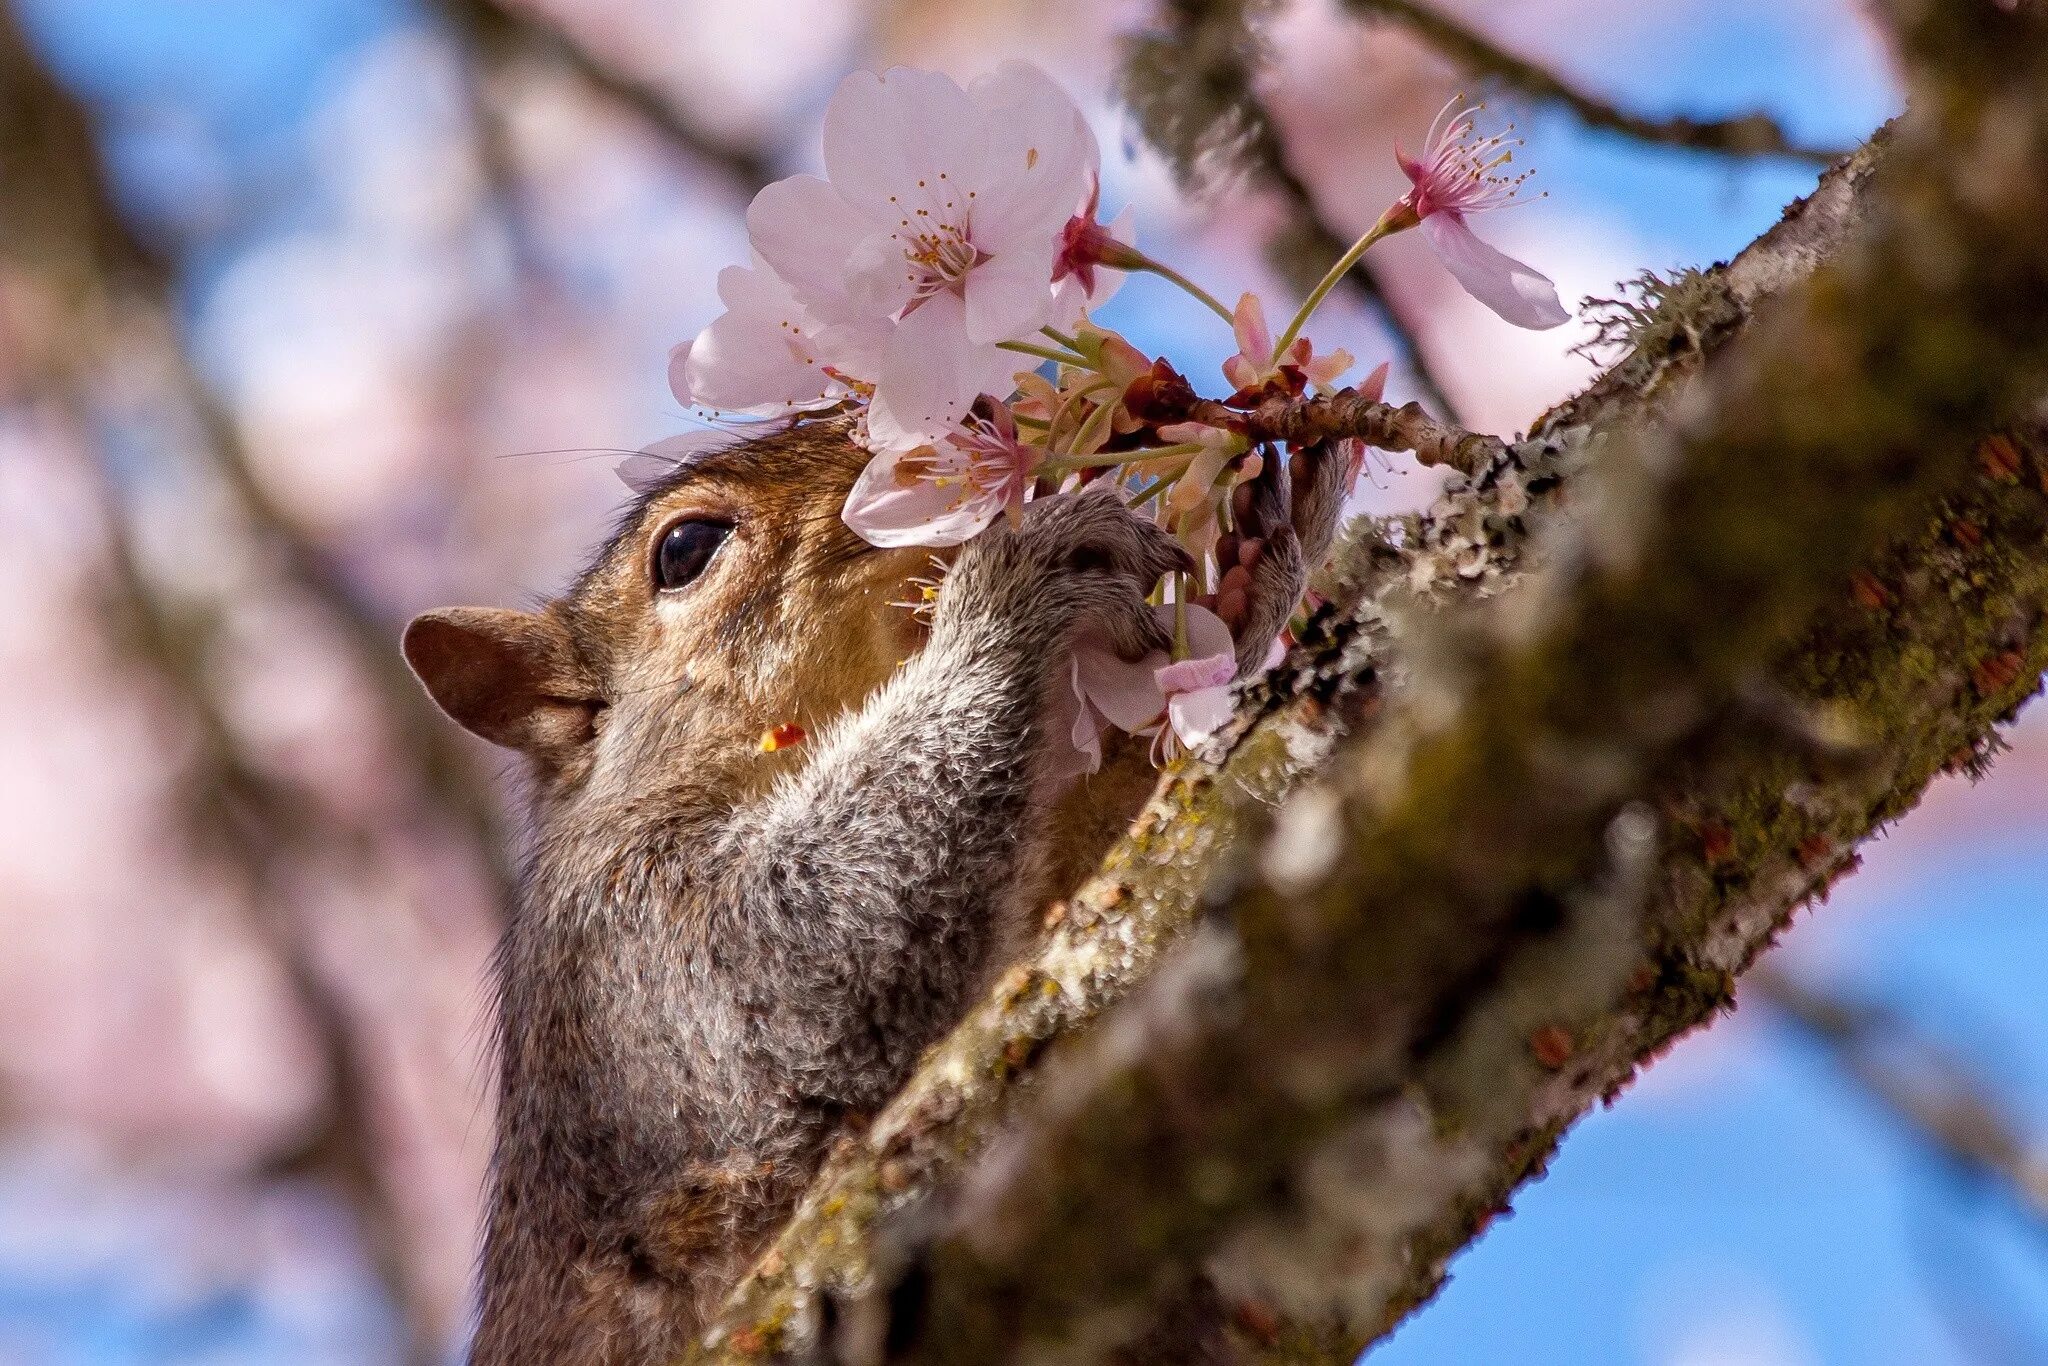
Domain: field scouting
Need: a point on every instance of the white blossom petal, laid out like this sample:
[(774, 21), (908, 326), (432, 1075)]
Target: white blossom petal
[(930, 376), (1199, 714), (1038, 156), (756, 357), (649, 468), (1074, 728), (896, 142), (895, 503), (678, 373), (1123, 691), (1010, 296), (1514, 291), (807, 232)]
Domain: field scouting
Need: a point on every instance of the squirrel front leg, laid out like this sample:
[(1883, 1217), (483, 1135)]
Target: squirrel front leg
[(1283, 524), (870, 887)]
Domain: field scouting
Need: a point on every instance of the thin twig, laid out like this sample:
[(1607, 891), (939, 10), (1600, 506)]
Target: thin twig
[(1310, 419), (1748, 135)]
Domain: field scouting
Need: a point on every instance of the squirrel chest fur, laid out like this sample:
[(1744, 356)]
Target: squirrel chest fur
[(720, 953)]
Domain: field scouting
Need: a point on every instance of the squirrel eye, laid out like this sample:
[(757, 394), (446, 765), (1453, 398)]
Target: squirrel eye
[(685, 549)]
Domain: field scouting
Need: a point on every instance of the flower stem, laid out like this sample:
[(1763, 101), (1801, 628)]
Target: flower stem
[(1390, 223), (1166, 272), (1071, 343), (1067, 464), (1043, 353), (1069, 404), (1092, 424)]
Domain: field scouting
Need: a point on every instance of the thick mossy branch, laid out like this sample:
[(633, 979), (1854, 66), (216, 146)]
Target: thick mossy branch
[(1578, 824), (1503, 831)]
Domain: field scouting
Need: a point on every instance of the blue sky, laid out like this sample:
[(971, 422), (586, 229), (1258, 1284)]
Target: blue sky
[(1755, 1210)]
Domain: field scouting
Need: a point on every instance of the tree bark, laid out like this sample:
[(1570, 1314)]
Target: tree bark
[(1519, 848)]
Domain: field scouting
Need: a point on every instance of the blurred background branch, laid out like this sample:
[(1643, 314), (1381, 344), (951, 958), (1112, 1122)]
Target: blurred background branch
[(505, 31), (58, 199), (1749, 135), (1943, 1100)]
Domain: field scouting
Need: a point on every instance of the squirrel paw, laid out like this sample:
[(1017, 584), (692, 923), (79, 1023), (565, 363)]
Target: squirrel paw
[(1087, 558), (1283, 523)]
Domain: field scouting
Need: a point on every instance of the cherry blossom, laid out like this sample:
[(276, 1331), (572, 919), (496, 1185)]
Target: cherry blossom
[(935, 289), (1092, 258), (1140, 696), (1197, 690), (938, 219), (1197, 694), (766, 354), (1456, 177), (947, 492), (1257, 365)]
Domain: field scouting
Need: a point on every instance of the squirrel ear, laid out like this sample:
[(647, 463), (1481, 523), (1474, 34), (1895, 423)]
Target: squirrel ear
[(514, 678)]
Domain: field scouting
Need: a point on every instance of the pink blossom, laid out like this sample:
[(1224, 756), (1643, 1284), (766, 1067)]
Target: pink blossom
[(1198, 689), (1254, 367), (948, 492), (1456, 177), (1092, 259), (1198, 695), (1132, 695), (766, 354), (937, 223)]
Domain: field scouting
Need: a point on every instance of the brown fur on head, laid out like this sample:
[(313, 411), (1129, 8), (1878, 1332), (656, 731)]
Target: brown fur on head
[(620, 692)]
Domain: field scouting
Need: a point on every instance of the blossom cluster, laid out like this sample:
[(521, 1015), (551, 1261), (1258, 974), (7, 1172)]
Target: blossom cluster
[(939, 285)]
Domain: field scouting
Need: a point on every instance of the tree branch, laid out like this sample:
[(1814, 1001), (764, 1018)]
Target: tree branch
[(1749, 135), (501, 29), (1933, 1096), (1314, 418), (1443, 1052)]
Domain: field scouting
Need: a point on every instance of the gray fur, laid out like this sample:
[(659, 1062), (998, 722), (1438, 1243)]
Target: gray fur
[(696, 996)]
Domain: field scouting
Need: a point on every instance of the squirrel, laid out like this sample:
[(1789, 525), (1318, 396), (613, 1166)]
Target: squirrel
[(727, 947)]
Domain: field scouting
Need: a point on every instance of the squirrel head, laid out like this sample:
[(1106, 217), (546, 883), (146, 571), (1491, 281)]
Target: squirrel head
[(730, 603)]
